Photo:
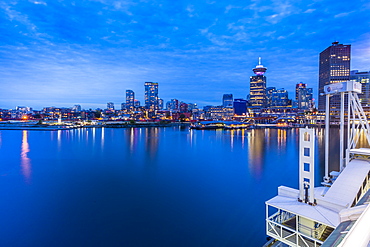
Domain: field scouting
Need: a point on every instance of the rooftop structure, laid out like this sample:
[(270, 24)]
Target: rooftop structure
[(259, 69)]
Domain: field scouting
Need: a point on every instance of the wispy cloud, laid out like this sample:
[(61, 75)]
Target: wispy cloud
[(309, 11), (100, 48), (343, 14), (39, 2)]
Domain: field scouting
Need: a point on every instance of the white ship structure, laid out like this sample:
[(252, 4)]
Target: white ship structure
[(338, 212)]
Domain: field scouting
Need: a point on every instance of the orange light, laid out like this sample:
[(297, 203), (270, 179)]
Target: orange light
[(24, 117)]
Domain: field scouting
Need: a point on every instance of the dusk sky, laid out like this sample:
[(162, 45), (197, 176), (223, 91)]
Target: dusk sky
[(62, 53)]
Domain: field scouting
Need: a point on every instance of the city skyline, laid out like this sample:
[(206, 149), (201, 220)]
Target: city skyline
[(90, 53)]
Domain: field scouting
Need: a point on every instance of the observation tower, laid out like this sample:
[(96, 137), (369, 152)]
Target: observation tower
[(259, 69), (257, 87)]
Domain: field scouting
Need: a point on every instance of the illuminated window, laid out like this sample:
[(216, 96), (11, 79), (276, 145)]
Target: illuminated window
[(306, 137)]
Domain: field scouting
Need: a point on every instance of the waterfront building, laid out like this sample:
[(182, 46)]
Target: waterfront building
[(299, 86), (303, 96), (168, 105), (160, 104), (173, 105), (151, 95), (24, 109), (110, 106), (364, 79), (123, 106), (192, 106), (130, 100), (269, 92), (334, 67), (136, 103), (240, 106), (76, 108), (227, 100), (218, 112), (279, 98), (183, 107), (257, 87)]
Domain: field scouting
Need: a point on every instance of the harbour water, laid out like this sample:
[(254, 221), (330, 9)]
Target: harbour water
[(144, 186)]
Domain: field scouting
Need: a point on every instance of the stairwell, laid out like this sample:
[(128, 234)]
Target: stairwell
[(326, 233)]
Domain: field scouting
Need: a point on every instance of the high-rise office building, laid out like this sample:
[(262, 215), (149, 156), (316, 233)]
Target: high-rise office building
[(279, 98), (173, 105), (227, 100), (151, 95), (192, 106), (364, 79), (110, 106), (269, 92), (240, 106), (130, 100), (257, 87), (160, 104), (334, 67), (183, 107), (76, 108), (305, 98), (298, 86)]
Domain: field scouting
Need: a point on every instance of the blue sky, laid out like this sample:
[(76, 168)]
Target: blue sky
[(62, 53)]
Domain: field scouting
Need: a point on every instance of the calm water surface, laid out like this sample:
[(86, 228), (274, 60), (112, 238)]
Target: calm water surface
[(143, 187)]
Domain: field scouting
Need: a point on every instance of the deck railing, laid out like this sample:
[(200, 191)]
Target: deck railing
[(290, 236)]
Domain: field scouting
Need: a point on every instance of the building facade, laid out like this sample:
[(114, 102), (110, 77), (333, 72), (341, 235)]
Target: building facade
[(110, 106), (240, 107), (257, 87), (218, 113), (173, 105), (279, 98), (130, 100), (303, 96), (227, 100), (334, 67), (151, 95), (364, 79)]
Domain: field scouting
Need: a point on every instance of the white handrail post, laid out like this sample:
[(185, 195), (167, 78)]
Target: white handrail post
[(327, 120), (341, 133)]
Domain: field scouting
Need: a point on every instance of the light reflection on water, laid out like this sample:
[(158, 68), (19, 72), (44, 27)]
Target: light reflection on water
[(25, 161), (137, 186)]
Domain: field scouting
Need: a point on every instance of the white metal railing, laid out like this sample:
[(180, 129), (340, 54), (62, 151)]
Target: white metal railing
[(281, 216), (290, 236), (363, 189)]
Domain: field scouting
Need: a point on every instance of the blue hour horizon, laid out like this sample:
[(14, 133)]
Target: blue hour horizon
[(65, 53)]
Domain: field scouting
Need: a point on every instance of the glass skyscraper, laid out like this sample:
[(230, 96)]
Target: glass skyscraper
[(227, 100), (130, 100), (334, 67), (303, 96), (151, 95), (363, 77)]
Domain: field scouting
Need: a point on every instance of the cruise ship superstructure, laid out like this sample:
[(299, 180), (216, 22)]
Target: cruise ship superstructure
[(337, 213)]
